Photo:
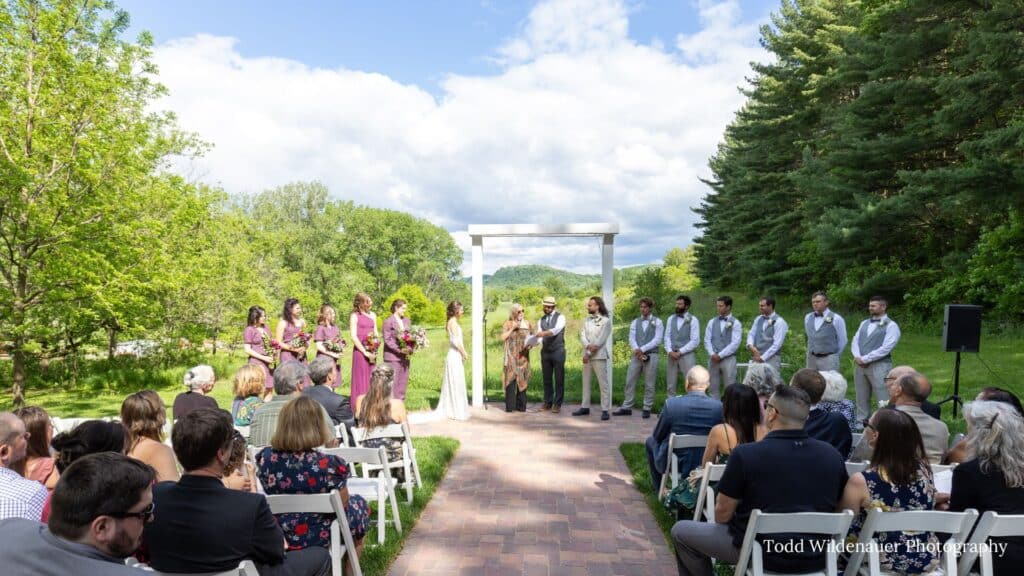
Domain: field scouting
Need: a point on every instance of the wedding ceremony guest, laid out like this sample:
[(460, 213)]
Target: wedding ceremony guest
[(19, 496), (826, 335), (515, 374), (907, 390), (290, 379), (767, 335), (293, 465), (198, 521), (682, 337), (322, 373), (722, 341), (256, 343), (289, 327), (238, 474), (898, 479), (199, 382), (812, 480), (741, 424), (328, 341), (872, 347), (248, 388), (377, 413), (597, 328), (825, 426), (38, 464), (552, 355), (834, 399), (691, 413), (143, 416), (394, 355), (645, 335), (361, 323), (453, 403), (763, 379), (959, 453), (100, 507), (993, 476), (89, 437)]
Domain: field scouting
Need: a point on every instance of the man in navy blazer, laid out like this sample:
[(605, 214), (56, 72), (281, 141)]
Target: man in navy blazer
[(692, 413), (828, 427)]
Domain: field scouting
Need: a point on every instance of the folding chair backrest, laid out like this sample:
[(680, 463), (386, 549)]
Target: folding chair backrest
[(67, 424), (834, 525), (679, 442), (706, 494), (322, 504), (991, 525), (341, 433), (389, 431), (855, 467), (382, 488), (936, 468), (372, 456), (245, 568), (956, 524), (856, 438), (243, 430)]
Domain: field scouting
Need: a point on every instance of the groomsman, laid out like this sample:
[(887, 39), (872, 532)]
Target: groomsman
[(767, 335), (597, 328), (826, 335), (682, 337), (872, 352), (645, 335), (722, 341)]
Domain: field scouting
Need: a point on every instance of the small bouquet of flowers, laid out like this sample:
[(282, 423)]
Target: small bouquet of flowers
[(411, 339), (300, 340), (371, 343), (335, 345), (271, 347)]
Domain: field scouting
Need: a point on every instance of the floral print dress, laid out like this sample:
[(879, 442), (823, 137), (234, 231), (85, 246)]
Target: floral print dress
[(310, 473), (902, 552)]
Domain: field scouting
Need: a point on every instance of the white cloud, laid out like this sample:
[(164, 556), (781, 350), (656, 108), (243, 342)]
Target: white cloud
[(580, 124)]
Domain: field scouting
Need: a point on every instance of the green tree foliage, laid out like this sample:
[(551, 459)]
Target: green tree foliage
[(422, 310), (872, 153), (679, 271)]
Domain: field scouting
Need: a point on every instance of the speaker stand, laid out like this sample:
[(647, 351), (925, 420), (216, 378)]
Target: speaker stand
[(955, 398)]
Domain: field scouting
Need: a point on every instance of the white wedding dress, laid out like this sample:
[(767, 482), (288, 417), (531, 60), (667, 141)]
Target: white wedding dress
[(454, 403)]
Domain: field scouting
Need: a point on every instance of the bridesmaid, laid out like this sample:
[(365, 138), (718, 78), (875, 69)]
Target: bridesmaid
[(393, 328), (326, 332), (290, 325), (361, 323), (255, 333)]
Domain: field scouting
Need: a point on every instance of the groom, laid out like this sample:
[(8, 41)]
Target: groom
[(552, 355)]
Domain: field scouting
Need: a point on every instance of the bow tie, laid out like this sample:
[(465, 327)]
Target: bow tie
[(818, 314), (876, 320), (723, 318)]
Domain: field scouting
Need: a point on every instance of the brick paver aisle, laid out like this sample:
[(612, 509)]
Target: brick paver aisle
[(537, 493)]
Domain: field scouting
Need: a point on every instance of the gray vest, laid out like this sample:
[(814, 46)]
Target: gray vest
[(718, 339), (764, 334), (678, 337), (552, 343), (644, 337), (874, 341), (825, 340)]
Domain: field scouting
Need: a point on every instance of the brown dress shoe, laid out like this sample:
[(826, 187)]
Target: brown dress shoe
[(544, 408), (556, 409)]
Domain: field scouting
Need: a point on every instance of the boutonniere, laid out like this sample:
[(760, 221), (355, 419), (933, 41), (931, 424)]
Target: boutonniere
[(687, 317), (829, 318), (728, 323), (882, 322), (771, 320)]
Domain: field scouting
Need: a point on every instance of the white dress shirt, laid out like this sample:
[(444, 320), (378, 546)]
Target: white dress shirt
[(780, 335), (694, 340), (892, 336), (735, 337), (644, 323)]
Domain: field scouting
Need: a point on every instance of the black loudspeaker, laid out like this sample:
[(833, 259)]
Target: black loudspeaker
[(961, 328)]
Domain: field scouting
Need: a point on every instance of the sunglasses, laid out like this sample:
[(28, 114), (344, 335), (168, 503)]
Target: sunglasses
[(867, 424), (145, 515)]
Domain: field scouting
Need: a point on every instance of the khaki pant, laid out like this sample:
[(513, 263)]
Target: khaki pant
[(675, 368), (600, 367), (650, 372), (723, 374)]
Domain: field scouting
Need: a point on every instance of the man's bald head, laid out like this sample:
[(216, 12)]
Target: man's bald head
[(698, 378)]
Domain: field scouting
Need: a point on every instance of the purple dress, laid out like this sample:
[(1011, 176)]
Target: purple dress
[(324, 334), (361, 367), (253, 336), (290, 331)]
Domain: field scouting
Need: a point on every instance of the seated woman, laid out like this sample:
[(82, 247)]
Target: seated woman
[(199, 382), (89, 437), (38, 464), (834, 399), (763, 378), (293, 465), (143, 416), (249, 383), (959, 453), (741, 423), (378, 411), (238, 473), (899, 478), (993, 477)]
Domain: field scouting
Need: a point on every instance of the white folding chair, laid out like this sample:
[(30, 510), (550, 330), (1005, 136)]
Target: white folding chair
[(245, 568), (341, 534), (856, 439), (855, 467), (936, 468), (678, 442), (706, 494), (397, 431), (956, 524), (243, 430), (412, 455), (991, 525), (834, 525), (380, 489), (341, 434), (67, 424)]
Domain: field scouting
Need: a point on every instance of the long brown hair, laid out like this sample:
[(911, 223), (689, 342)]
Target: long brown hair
[(360, 299), (143, 415), (375, 409), (899, 449), (37, 424), (321, 317)]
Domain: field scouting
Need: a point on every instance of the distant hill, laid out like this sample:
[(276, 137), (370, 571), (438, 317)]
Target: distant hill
[(536, 274)]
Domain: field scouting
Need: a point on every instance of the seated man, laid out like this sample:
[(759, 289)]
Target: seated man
[(825, 426), (784, 472), (201, 526), (692, 413), (288, 383), (908, 390), (323, 375), (97, 515), (19, 497)]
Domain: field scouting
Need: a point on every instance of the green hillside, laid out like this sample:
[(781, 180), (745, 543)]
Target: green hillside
[(536, 274)]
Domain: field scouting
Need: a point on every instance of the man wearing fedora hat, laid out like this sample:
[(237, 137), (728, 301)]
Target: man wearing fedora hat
[(551, 329)]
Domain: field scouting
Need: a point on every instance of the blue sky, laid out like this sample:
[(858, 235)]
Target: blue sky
[(467, 112)]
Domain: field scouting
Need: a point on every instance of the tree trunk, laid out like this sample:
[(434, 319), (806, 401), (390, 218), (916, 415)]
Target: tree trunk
[(18, 367), (112, 341)]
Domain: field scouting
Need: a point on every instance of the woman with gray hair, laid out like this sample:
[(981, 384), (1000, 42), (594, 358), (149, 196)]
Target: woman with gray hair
[(763, 378), (994, 477), (199, 382), (834, 399)]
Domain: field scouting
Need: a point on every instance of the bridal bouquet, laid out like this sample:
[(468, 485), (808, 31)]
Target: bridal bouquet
[(271, 347), (371, 343), (335, 345)]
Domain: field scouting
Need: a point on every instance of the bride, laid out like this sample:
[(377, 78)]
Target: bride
[(453, 403)]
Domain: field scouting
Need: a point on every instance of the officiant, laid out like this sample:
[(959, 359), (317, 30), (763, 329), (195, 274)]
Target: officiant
[(515, 376)]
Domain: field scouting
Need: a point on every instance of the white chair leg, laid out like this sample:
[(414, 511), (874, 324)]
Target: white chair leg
[(337, 550)]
